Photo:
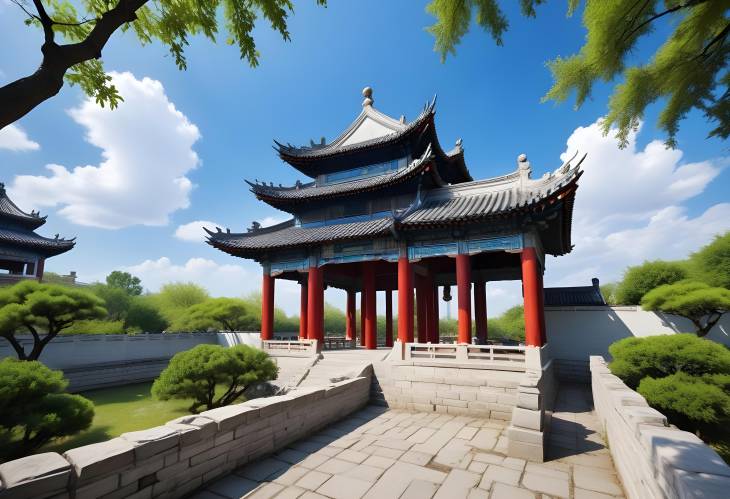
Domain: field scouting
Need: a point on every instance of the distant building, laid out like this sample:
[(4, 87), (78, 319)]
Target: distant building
[(23, 253)]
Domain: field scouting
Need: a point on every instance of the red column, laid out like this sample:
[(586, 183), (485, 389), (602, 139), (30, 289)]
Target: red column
[(421, 310), (531, 293), (480, 311), (303, 293), (434, 337), (350, 332), (267, 307), (541, 296), (315, 305), (363, 299), (463, 283), (388, 318), (405, 301), (39, 269), (371, 321)]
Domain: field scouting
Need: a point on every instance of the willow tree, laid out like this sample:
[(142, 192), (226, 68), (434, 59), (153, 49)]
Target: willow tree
[(687, 72), (76, 32)]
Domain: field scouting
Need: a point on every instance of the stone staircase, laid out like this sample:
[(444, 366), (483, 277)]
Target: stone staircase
[(292, 370), (337, 365)]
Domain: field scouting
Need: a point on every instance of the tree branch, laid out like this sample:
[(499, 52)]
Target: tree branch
[(16, 346), (719, 38), (18, 98), (690, 3)]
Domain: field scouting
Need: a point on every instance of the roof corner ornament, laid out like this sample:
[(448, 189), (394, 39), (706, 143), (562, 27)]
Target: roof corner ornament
[(298, 184), (402, 119), (458, 143), (523, 167), (367, 92), (254, 226)]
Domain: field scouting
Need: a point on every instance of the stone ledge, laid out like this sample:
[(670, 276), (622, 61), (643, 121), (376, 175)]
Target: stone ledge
[(34, 476)]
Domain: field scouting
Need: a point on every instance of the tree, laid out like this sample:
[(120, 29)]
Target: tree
[(125, 281), (116, 300), (212, 375), (227, 314), (335, 321), (641, 279), (144, 316), (702, 304), (175, 298), (711, 264), (87, 27), (35, 409), (687, 72), (660, 356), (511, 324), (608, 291), (36, 308)]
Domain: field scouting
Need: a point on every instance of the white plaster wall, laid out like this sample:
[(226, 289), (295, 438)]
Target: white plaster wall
[(250, 338), (576, 333), (86, 349)]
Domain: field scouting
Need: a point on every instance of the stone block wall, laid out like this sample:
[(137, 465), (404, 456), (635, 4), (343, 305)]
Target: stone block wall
[(653, 459), (113, 373), (459, 389), (173, 460)]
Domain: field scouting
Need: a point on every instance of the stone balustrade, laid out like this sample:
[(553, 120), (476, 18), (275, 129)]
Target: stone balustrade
[(175, 459), (653, 459), (294, 348)]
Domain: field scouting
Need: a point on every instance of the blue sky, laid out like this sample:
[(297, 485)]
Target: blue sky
[(636, 204)]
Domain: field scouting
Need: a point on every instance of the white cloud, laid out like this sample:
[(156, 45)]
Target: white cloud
[(147, 150), (629, 208), (193, 231), (14, 138)]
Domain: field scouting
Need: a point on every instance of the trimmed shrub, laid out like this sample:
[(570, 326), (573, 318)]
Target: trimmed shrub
[(696, 403), (34, 408), (641, 279), (665, 355), (213, 375)]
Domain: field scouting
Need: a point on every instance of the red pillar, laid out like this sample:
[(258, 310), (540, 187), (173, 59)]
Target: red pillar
[(350, 332), (303, 294), (39, 269), (405, 301), (388, 318), (267, 307), (434, 337), (315, 305), (463, 283), (531, 290), (363, 298), (480, 311), (541, 296), (371, 321), (421, 310)]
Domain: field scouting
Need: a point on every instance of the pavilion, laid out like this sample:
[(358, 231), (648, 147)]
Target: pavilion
[(23, 252), (387, 208)]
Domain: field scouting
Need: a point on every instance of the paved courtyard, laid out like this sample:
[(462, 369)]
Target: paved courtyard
[(380, 454)]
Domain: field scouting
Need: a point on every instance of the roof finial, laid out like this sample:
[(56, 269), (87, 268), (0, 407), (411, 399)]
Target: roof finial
[(367, 92)]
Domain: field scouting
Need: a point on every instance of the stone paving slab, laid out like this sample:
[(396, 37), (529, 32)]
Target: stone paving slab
[(381, 454)]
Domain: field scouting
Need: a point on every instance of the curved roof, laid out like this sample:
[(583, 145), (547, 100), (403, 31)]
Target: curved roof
[(46, 246), (460, 204), (10, 212), (278, 196)]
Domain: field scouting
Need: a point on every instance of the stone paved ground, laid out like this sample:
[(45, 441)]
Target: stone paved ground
[(381, 454)]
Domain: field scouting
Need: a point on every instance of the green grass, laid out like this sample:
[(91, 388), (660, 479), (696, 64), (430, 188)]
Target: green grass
[(121, 409)]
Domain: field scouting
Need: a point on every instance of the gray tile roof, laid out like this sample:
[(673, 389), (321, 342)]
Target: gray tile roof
[(574, 296), (10, 211), (28, 239), (311, 191)]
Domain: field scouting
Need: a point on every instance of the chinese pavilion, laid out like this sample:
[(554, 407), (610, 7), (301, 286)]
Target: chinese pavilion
[(387, 208), (23, 252)]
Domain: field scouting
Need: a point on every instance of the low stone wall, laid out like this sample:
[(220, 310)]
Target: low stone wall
[(653, 459), (572, 371), (113, 373), (175, 459), (459, 389)]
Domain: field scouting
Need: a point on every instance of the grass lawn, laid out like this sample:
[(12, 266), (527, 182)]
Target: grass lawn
[(121, 409)]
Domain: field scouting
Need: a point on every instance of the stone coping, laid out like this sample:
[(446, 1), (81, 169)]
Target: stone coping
[(654, 460), (180, 456)]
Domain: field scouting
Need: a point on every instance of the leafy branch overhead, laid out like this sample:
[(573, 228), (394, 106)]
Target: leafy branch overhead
[(687, 72), (75, 34)]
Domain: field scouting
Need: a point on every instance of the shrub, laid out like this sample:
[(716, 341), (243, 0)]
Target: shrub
[(641, 279), (665, 355), (175, 298), (711, 264), (212, 375), (510, 325), (223, 314), (34, 408), (95, 327), (696, 301), (36, 308), (695, 403)]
